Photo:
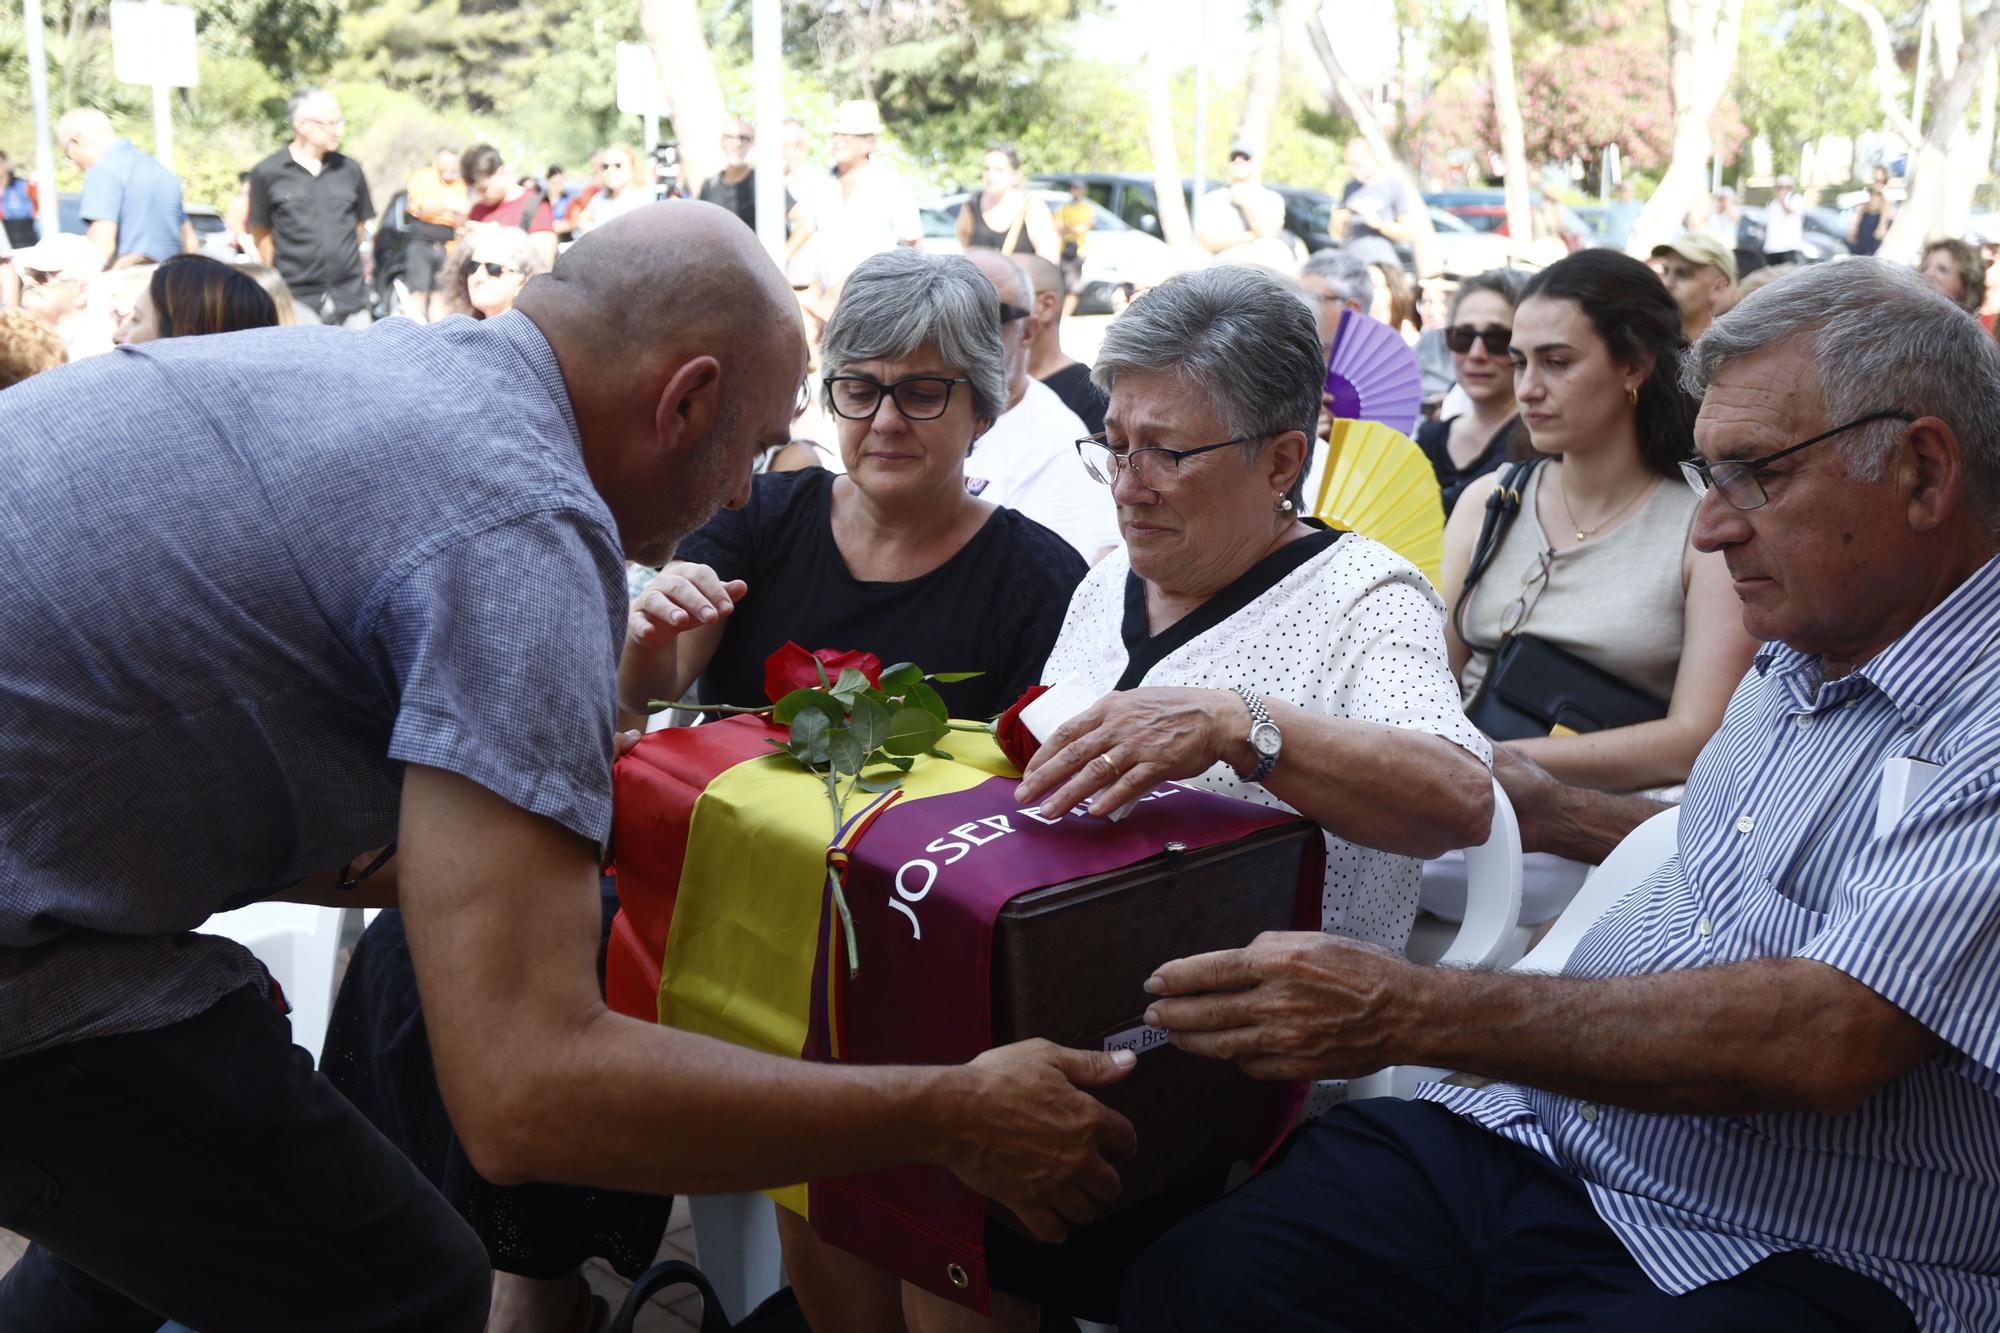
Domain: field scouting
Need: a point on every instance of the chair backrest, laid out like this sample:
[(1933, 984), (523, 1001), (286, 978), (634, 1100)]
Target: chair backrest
[(1492, 892), (1631, 863)]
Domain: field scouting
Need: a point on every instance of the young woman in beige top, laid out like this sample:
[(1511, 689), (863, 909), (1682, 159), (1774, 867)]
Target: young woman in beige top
[(1597, 562)]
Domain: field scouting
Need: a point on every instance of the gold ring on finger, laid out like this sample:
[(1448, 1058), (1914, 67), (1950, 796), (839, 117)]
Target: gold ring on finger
[(1112, 764)]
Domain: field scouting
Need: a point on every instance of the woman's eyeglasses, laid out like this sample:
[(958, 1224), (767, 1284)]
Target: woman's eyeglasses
[(493, 269), (1157, 468), (1460, 337), (918, 398), (1532, 585)]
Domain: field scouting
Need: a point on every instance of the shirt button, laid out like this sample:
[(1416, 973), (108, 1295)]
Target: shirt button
[(1588, 1112), (1744, 824), (1702, 928), (1802, 721)]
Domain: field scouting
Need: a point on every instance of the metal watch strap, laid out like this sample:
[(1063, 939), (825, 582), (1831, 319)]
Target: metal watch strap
[(1260, 716)]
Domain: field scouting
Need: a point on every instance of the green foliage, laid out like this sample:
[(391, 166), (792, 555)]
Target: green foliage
[(1807, 70)]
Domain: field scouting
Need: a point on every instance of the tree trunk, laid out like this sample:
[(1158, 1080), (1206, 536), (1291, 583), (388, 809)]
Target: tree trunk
[(1513, 140), (1888, 73), (1921, 218), (1355, 102), (687, 72), (1702, 57), (1267, 75), (1167, 187)]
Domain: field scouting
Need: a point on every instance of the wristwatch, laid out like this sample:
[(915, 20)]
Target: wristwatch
[(1265, 738)]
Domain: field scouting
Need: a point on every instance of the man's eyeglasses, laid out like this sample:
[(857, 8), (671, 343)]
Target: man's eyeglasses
[(737, 138), (493, 269), (918, 398), (1460, 337), (1156, 468), (1736, 478)]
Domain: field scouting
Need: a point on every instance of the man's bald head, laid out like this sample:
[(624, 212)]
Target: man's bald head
[(681, 346), (1012, 285), (83, 134)]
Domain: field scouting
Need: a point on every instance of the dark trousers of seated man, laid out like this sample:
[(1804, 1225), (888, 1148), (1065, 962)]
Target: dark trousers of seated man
[(1391, 1215), (203, 1172)]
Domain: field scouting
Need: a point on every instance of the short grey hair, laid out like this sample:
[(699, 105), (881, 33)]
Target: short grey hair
[(1244, 337), (1348, 278), (300, 96), (903, 299), (1505, 283), (1881, 339)]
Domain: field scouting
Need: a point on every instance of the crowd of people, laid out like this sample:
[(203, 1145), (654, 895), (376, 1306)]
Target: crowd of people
[(392, 652)]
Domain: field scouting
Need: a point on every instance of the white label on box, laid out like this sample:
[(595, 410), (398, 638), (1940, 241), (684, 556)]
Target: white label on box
[(1137, 1040)]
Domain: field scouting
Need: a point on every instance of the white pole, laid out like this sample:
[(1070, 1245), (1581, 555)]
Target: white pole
[(767, 57), (650, 132), (163, 117), (38, 97), (1923, 77), (1201, 101)]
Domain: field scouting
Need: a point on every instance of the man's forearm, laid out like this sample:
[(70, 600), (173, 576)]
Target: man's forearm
[(1585, 825), (1771, 1035)]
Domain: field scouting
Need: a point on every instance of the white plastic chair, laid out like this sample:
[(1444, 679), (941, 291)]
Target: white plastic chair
[(736, 1243), (300, 945), (1489, 935), (1631, 863)]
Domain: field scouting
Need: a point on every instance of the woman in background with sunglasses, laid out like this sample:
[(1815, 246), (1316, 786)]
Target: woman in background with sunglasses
[(1596, 562), (497, 263), (1467, 446)]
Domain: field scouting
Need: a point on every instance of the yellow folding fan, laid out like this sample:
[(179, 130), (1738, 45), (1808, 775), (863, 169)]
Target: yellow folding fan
[(1379, 484)]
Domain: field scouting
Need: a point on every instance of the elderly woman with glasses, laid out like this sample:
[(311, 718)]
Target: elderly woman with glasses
[(1242, 649)]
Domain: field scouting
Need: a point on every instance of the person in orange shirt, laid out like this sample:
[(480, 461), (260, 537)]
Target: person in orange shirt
[(436, 201)]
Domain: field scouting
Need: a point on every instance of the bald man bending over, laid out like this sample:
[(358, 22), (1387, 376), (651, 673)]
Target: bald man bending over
[(341, 620)]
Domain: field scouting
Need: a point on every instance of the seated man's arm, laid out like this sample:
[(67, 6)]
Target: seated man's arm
[(1577, 822), (1776, 1034), (501, 908)]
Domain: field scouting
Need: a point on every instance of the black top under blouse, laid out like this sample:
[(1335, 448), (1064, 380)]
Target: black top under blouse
[(994, 607), (1433, 438)]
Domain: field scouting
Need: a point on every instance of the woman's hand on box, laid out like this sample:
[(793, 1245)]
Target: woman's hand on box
[(1293, 1005), (1129, 742), (1035, 1143)]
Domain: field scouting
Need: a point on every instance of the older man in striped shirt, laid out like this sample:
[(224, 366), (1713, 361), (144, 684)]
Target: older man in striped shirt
[(1766, 1092)]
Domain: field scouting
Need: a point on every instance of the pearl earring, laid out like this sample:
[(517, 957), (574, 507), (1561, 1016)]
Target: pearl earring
[(1284, 505)]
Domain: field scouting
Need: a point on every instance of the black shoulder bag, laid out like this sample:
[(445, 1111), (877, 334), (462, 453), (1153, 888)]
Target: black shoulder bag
[(1534, 688)]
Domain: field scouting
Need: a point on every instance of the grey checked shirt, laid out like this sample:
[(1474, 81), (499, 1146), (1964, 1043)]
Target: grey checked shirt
[(243, 581)]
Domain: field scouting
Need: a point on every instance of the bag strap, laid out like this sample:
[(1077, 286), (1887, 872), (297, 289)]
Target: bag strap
[(672, 1273), (531, 204), (1502, 506), (1014, 232)]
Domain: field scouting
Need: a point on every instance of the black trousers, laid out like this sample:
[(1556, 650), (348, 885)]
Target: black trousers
[(203, 1172), (1391, 1215)]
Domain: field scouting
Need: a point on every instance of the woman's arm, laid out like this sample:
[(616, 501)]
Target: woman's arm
[(1715, 652), (1461, 531), (671, 636), (1042, 234), (963, 227)]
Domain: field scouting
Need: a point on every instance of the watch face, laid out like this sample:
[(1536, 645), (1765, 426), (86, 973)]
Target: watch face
[(1264, 739)]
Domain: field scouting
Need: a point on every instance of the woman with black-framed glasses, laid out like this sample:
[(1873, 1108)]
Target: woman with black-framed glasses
[(1469, 444)]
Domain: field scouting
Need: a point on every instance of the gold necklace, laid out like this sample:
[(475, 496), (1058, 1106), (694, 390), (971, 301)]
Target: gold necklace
[(1584, 534)]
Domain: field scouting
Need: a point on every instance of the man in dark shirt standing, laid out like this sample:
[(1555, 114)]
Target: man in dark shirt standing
[(1047, 361), (735, 187), (309, 211)]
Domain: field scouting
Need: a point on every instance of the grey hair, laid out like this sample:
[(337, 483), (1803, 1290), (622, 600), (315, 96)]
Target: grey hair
[(1348, 278), (1505, 283), (903, 299), (296, 102), (1242, 336), (1881, 339)]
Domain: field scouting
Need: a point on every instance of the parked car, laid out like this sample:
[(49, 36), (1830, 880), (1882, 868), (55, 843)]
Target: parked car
[(1118, 261), (1130, 196), (211, 236), (1817, 243), (1486, 210)]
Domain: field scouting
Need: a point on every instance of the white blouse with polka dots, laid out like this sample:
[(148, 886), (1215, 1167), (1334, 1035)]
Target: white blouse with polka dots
[(1354, 632)]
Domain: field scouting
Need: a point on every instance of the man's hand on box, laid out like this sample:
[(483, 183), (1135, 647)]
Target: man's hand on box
[(1038, 1145), (681, 597), (1293, 1005)]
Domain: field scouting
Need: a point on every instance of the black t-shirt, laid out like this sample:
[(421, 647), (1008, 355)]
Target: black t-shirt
[(995, 607), (740, 199), (1072, 385), (1432, 438), (312, 220)]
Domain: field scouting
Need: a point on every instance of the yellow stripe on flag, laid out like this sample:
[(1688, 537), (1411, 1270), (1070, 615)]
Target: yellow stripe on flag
[(746, 927)]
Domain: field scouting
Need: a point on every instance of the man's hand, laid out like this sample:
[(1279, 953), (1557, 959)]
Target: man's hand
[(1037, 1145), (1578, 822), (1531, 789), (1294, 1005), (1129, 742)]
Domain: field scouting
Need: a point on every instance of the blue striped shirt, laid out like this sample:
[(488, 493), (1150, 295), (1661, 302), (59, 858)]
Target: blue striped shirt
[(1778, 858)]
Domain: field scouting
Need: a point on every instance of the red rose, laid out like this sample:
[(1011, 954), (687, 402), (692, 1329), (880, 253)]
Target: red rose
[(791, 668), (1016, 741)]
